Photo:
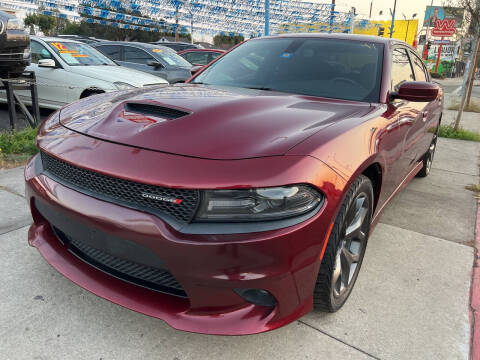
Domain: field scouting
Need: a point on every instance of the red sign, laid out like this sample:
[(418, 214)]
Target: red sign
[(444, 27)]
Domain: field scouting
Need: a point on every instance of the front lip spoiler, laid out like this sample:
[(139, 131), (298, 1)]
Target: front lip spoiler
[(250, 319)]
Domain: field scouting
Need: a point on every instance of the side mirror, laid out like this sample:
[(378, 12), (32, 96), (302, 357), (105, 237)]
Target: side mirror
[(418, 91), (196, 69), (155, 64), (47, 63)]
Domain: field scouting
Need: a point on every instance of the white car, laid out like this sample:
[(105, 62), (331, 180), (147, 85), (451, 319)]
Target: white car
[(67, 70)]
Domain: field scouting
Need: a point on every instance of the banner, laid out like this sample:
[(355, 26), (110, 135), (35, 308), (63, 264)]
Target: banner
[(434, 13)]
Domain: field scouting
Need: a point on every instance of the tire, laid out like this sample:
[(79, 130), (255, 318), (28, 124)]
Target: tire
[(428, 157), (90, 92), (345, 252)]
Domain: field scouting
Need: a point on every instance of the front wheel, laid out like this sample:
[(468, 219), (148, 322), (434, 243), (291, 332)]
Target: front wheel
[(345, 248), (428, 157)]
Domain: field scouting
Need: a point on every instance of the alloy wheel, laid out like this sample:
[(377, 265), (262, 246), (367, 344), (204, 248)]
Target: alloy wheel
[(351, 245)]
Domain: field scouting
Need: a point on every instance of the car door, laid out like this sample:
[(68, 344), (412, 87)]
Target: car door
[(406, 113), (416, 118), (423, 131), (138, 59), (51, 85)]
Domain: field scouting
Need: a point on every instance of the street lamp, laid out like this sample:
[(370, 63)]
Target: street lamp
[(408, 23)]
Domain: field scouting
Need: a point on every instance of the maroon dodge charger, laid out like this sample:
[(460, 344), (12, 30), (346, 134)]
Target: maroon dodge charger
[(240, 201)]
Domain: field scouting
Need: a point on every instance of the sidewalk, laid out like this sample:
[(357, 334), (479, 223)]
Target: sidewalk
[(411, 300)]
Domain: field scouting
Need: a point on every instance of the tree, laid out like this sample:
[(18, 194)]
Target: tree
[(47, 24), (472, 15), (223, 40)]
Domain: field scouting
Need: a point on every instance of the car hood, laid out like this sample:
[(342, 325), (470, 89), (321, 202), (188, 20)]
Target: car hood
[(205, 122), (115, 73)]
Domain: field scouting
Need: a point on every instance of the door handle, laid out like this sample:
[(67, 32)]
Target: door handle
[(424, 116), (406, 120)]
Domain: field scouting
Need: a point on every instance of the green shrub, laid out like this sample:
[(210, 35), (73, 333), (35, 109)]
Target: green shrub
[(18, 142), (447, 131)]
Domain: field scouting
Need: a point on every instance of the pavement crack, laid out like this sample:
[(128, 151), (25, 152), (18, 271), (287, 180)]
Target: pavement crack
[(339, 340), (11, 191), (436, 237), (15, 229), (455, 172)]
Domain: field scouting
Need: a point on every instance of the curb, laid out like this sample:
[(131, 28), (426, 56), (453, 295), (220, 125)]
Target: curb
[(475, 295)]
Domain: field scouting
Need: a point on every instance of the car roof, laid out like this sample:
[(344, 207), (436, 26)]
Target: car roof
[(339, 36), (134, 43), (199, 50), (53, 39)]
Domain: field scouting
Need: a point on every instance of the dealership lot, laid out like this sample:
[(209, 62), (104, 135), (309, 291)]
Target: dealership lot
[(411, 300)]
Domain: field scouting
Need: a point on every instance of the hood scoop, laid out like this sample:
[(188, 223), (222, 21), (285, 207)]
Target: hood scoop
[(154, 110)]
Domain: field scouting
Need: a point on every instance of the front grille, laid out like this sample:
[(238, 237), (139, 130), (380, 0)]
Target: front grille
[(124, 192), (156, 279)]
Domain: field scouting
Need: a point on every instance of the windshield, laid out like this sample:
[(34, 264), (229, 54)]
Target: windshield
[(77, 54), (333, 68), (171, 57)]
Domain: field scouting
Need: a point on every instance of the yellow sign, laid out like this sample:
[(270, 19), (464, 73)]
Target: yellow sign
[(405, 30)]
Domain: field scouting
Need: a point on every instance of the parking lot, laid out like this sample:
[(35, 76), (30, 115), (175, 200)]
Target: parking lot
[(411, 300)]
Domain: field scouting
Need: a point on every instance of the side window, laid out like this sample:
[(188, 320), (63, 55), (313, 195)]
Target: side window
[(138, 56), (112, 51), (39, 52), (401, 68), (212, 56), (197, 58), (418, 68)]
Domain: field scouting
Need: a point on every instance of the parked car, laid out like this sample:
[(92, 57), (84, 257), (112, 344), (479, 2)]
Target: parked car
[(84, 39), (200, 57), (68, 70), (156, 60), (177, 46), (236, 203), (14, 45)]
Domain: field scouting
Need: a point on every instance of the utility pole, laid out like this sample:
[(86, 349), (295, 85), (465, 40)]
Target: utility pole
[(267, 17), (177, 5), (370, 15), (191, 29), (332, 15), (393, 17)]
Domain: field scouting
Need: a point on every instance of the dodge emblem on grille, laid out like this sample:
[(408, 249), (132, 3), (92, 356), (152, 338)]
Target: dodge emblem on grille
[(162, 198)]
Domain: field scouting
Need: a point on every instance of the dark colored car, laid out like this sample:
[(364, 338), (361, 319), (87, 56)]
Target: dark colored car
[(238, 202), (177, 46), (153, 59), (200, 57), (14, 45)]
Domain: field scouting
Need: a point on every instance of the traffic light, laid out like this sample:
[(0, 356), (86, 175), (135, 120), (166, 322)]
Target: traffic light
[(381, 31)]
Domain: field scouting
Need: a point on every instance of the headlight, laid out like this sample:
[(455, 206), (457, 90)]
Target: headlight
[(123, 86), (14, 24), (257, 204)]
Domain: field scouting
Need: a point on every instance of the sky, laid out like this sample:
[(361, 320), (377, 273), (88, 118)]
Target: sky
[(407, 7)]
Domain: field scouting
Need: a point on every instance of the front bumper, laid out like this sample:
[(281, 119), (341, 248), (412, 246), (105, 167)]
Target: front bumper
[(209, 267)]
